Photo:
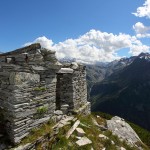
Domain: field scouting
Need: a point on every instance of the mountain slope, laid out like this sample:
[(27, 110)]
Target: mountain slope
[(126, 92)]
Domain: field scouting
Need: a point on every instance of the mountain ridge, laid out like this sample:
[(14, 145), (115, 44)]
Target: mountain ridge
[(125, 92)]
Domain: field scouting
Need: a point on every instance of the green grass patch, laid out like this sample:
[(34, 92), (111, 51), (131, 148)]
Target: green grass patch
[(92, 132), (40, 89), (42, 110), (103, 115), (143, 134)]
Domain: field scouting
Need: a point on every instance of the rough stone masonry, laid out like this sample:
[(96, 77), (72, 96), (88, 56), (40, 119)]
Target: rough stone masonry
[(33, 85)]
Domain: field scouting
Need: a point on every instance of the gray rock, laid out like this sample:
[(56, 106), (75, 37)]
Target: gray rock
[(58, 118), (74, 65), (22, 147), (83, 141), (38, 68), (72, 129), (123, 130), (102, 127), (65, 70), (122, 148), (21, 77), (18, 139), (39, 121), (58, 112), (103, 136), (78, 138), (112, 142), (64, 108), (80, 132), (63, 122)]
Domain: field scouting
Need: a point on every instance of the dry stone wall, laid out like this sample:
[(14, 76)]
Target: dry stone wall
[(33, 84), (27, 89), (72, 90)]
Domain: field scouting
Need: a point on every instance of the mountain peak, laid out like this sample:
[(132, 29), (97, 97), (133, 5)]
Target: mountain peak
[(144, 56)]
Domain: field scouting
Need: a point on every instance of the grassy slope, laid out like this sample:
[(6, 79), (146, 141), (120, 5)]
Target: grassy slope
[(92, 132), (142, 133)]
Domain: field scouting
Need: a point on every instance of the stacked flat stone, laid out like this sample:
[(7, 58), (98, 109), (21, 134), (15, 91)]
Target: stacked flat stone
[(27, 89), (33, 84), (72, 88)]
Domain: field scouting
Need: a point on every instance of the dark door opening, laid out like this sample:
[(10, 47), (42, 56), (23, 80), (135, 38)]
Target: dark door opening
[(58, 101)]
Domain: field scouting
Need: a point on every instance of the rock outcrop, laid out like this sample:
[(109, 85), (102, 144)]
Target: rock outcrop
[(123, 130)]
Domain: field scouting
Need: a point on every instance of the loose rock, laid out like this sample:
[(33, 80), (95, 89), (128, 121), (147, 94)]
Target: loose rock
[(80, 132), (83, 141)]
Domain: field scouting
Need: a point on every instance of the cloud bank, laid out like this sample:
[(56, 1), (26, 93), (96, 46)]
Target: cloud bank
[(143, 11), (94, 46)]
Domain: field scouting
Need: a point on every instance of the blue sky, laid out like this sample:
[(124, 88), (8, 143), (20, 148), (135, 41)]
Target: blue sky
[(88, 30)]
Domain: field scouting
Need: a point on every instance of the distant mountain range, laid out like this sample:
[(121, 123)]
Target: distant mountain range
[(122, 88)]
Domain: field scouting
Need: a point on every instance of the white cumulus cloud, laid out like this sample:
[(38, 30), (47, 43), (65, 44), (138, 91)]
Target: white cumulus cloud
[(137, 49), (94, 46), (141, 30), (143, 11), (45, 42)]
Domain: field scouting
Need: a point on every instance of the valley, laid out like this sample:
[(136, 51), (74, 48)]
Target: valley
[(122, 88)]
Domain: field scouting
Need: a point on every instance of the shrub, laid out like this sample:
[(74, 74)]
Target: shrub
[(42, 110)]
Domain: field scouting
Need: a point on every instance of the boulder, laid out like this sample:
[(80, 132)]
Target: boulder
[(123, 130)]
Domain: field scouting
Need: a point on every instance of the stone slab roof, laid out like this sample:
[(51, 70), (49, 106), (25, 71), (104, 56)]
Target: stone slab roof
[(26, 49), (65, 70)]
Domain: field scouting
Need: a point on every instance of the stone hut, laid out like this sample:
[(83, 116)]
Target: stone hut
[(33, 85), (72, 89)]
